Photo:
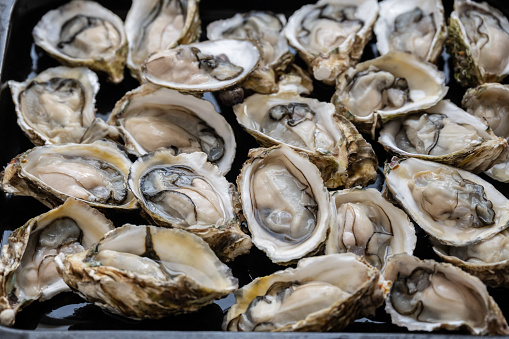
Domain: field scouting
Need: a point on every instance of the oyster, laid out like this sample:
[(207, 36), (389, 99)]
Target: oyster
[(490, 102), (58, 106), (204, 66), (479, 43), (386, 88), (321, 294), (148, 272), (151, 118), (187, 192), (83, 33), (95, 173), (487, 260), (366, 224), (264, 28), (331, 34), (447, 134), (332, 143), (28, 270), (454, 206), (285, 203), (154, 25), (414, 26), (428, 296)]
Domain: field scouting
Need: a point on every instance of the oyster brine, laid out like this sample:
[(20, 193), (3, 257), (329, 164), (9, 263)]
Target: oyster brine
[(83, 33), (454, 206), (285, 203), (332, 143), (144, 272), (331, 34), (321, 294), (28, 270)]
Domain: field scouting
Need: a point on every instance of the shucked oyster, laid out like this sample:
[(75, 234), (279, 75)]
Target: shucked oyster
[(285, 203), (386, 88), (332, 143), (454, 206), (366, 224), (151, 118), (322, 294), (264, 28), (414, 26), (479, 43), (148, 272), (28, 270), (447, 134), (427, 296), (187, 192), (154, 25), (83, 33), (95, 173), (204, 66), (331, 34), (58, 106)]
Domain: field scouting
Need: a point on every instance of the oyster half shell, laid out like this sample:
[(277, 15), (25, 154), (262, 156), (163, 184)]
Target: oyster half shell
[(428, 296), (321, 294), (28, 270), (148, 272), (83, 33)]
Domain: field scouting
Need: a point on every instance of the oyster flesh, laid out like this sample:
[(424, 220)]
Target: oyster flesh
[(285, 203), (151, 118), (187, 192), (321, 294), (83, 33), (454, 206), (428, 296), (145, 272), (28, 270)]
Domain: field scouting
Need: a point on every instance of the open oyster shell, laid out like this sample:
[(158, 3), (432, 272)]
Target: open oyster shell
[(445, 133), (264, 28), (321, 294), (414, 26), (95, 173), (187, 192), (366, 224), (331, 34), (83, 33), (58, 106), (148, 272), (203, 66), (478, 41), (151, 118), (307, 125), (28, 270), (285, 203), (428, 296), (388, 87), (154, 25), (454, 206)]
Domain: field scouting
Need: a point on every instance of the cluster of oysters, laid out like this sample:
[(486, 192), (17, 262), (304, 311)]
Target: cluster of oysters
[(301, 199)]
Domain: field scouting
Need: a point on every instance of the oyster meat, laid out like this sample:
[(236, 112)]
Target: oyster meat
[(285, 203), (414, 26), (454, 206), (151, 118), (331, 34), (28, 270), (428, 296), (321, 294), (83, 33), (187, 192), (145, 272)]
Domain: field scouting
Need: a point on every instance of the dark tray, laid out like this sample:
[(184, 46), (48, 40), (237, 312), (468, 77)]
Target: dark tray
[(20, 58)]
